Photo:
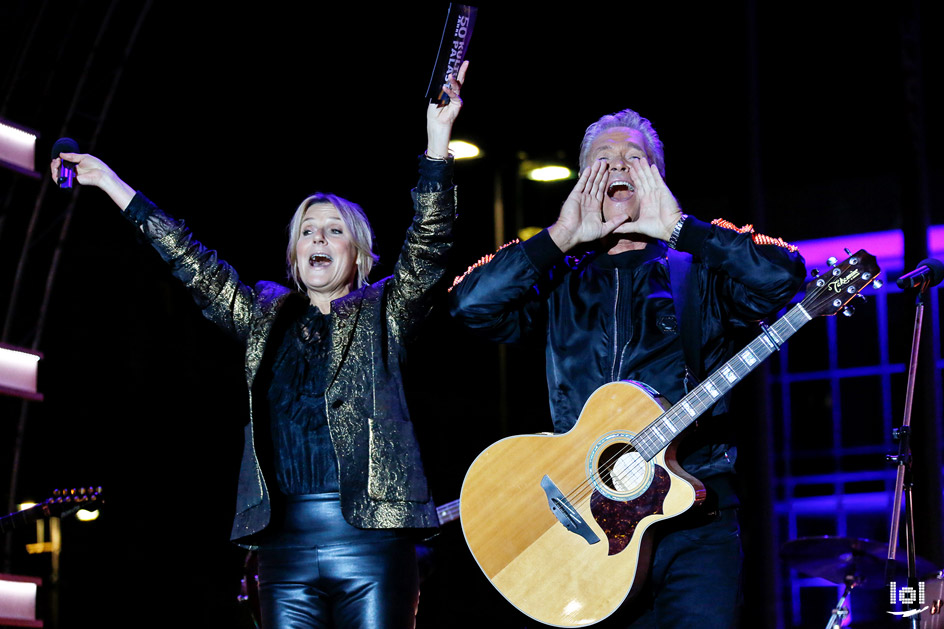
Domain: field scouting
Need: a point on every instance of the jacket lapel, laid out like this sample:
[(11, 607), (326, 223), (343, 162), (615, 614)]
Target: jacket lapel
[(345, 313)]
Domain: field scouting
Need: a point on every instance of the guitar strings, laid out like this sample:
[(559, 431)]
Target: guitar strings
[(580, 493), (584, 491), (646, 436)]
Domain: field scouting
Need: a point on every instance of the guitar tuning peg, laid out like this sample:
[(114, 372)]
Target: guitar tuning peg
[(878, 284), (848, 311), (831, 260), (814, 273), (862, 297), (846, 249)]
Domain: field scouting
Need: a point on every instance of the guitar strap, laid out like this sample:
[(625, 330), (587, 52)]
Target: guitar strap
[(687, 310)]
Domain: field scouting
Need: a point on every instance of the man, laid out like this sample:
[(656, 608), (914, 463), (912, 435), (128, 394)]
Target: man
[(606, 285)]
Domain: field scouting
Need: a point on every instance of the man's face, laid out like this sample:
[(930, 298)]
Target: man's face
[(618, 146)]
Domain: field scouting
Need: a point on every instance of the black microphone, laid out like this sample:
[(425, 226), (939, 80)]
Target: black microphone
[(929, 273), (66, 169)]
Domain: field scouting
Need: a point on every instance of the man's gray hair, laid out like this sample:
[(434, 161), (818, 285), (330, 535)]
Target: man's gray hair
[(625, 118)]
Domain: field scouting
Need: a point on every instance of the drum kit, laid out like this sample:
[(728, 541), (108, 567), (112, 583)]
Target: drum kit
[(860, 563)]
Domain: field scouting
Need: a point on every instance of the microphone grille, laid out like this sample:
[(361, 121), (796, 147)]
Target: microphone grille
[(937, 269), (64, 145)]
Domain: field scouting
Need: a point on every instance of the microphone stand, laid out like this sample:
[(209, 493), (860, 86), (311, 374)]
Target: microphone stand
[(904, 478)]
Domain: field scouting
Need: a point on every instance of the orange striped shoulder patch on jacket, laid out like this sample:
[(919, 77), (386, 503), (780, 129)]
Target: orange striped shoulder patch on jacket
[(481, 262), (759, 239)]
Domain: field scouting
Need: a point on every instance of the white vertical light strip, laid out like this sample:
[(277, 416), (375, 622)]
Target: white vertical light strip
[(17, 599), (18, 147), (19, 369)]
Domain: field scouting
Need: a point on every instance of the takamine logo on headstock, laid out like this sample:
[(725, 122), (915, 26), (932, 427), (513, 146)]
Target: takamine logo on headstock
[(830, 292), (62, 502), (836, 285)]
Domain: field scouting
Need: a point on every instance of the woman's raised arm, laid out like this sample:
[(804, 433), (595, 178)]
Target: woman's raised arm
[(91, 171)]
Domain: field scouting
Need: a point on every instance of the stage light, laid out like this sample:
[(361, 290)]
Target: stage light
[(84, 515), (464, 150), (548, 173), (18, 601), (18, 372), (527, 232), (18, 148)]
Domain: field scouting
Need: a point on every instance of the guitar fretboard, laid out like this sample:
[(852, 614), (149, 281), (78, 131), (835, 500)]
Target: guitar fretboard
[(657, 435), (21, 518), (448, 512)]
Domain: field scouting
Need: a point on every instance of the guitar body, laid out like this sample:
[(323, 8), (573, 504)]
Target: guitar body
[(548, 572)]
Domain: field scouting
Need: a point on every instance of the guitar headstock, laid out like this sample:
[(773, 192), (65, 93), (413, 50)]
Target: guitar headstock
[(65, 501), (830, 292)]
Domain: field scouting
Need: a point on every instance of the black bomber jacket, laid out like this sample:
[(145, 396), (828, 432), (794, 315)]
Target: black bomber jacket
[(607, 318)]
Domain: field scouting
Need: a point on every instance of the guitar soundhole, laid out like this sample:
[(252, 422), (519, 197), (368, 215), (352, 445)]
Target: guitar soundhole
[(622, 469)]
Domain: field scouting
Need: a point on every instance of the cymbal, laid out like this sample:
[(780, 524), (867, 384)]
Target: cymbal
[(838, 558)]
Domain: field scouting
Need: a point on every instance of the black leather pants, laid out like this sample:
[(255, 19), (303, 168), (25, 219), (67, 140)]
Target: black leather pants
[(317, 570)]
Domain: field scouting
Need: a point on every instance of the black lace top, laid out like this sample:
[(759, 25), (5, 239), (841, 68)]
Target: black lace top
[(305, 459)]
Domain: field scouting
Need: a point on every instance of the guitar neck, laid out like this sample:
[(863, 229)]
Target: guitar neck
[(448, 512), (651, 440), (21, 518)]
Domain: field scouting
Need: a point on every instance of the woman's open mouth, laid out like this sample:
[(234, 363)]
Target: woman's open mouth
[(320, 259)]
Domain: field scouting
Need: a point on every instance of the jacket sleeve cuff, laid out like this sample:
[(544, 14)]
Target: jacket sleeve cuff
[(693, 235), (435, 174), (140, 209), (541, 251)]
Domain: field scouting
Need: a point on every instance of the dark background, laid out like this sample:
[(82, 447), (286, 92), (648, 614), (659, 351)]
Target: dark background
[(807, 119)]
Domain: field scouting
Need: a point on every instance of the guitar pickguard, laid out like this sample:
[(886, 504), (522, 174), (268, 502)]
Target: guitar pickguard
[(619, 519)]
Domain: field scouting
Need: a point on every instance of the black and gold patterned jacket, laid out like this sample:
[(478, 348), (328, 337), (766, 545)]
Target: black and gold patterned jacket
[(380, 471)]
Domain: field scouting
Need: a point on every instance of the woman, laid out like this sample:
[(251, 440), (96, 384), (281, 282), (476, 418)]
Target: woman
[(331, 481)]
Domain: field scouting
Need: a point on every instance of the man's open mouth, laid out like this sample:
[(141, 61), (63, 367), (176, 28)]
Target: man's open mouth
[(620, 191)]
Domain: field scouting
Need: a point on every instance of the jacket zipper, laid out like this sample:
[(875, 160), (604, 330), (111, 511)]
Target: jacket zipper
[(613, 369)]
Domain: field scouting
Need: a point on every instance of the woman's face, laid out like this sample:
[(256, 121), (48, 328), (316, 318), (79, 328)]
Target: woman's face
[(326, 257)]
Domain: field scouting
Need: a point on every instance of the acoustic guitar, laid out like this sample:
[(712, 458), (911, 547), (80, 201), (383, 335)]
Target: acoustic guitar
[(561, 524)]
